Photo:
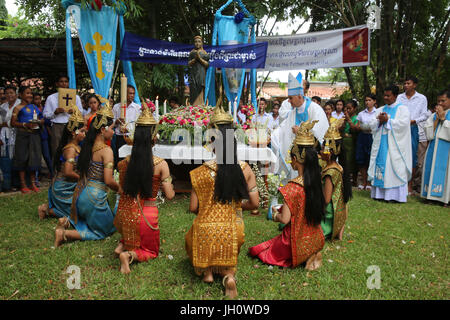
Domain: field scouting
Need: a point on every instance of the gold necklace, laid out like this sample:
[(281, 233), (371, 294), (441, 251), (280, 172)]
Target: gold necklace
[(99, 146)]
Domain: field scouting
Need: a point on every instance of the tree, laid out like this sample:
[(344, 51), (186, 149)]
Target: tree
[(413, 39), (3, 13)]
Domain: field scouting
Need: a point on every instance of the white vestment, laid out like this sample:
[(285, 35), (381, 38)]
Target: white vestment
[(441, 137), (282, 137), (397, 169)]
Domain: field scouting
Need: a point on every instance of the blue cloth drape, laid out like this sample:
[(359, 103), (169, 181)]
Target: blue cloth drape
[(227, 31)]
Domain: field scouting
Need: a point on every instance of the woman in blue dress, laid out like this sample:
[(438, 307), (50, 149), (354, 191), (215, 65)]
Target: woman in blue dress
[(63, 185), (27, 118), (91, 215)]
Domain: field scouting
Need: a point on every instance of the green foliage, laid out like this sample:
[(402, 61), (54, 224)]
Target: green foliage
[(3, 13), (21, 27)]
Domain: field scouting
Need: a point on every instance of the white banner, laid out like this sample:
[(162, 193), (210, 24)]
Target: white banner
[(325, 49)]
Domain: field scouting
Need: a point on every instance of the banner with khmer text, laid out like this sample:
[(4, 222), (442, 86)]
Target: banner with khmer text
[(142, 49), (325, 49)]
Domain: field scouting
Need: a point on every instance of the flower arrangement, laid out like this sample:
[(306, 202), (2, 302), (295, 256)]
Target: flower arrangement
[(248, 111), (261, 185), (150, 105), (184, 118), (274, 182)]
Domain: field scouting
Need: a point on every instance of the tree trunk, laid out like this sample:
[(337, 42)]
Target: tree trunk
[(350, 81), (366, 85)]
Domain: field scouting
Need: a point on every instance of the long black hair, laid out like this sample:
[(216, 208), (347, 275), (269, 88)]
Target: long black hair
[(85, 156), (65, 139), (230, 182), (139, 177), (342, 160), (312, 182)]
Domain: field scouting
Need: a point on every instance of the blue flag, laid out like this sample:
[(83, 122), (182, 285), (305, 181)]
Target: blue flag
[(97, 32)]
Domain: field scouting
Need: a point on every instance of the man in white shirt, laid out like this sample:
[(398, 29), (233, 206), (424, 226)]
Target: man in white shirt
[(56, 114), (390, 157), (262, 119), (418, 108), (132, 112), (275, 115)]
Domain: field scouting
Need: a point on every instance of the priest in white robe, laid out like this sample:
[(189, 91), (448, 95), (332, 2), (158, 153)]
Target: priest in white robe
[(303, 109), (390, 165), (436, 175)]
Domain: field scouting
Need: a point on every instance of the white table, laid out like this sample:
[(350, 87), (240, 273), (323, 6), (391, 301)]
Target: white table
[(180, 154)]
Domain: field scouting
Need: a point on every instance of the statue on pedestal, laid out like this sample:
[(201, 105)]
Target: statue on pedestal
[(198, 64)]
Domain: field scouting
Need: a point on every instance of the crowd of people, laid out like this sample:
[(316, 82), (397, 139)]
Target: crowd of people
[(384, 124), (318, 148)]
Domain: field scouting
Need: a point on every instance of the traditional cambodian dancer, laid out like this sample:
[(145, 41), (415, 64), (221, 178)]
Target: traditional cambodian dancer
[(219, 186), (302, 212), (91, 215), (63, 185), (27, 118), (141, 176), (337, 188)]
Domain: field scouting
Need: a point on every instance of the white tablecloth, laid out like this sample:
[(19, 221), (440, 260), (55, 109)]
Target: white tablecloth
[(186, 154)]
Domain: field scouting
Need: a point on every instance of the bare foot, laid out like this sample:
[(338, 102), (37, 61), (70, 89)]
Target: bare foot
[(341, 234), (230, 287), (119, 249), (208, 277), (125, 262), (314, 262), (64, 222), (42, 211), (59, 237)]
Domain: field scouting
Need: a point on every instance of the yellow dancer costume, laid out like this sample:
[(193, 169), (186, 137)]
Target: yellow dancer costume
[(217, 233)]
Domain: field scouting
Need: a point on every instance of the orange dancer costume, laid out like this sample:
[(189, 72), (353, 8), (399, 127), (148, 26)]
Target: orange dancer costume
[(299, 240), (138, 224)]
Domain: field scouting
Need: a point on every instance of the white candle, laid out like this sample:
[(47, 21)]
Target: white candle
[(123, 95), (165, 105), (235, 111), (157, 105)]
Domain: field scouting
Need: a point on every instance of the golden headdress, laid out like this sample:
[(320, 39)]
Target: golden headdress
[(220, 116), (146, 118), (101, 119), (76, 118), (304, 137), (332, 135)]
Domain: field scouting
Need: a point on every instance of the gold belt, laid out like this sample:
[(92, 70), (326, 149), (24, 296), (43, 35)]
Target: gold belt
[(97, 184)]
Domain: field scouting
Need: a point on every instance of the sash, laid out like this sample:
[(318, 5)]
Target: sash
[(440, 165), (380, 163), (302, 117)]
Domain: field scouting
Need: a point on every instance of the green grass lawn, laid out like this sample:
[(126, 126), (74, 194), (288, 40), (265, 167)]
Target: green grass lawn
[(408, 242)]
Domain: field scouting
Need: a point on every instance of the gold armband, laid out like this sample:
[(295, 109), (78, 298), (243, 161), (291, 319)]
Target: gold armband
[(254, 189), (109, 165), (168, 179), (71, 160)]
